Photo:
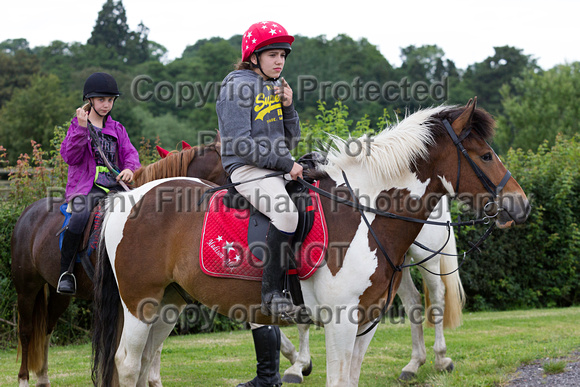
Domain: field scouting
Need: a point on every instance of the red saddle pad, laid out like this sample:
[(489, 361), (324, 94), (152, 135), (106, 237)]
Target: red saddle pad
[(224, 248)]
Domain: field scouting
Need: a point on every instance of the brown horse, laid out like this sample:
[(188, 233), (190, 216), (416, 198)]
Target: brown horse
[(150, 246), (36, 258)]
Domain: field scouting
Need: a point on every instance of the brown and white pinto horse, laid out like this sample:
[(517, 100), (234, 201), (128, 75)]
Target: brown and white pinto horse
[(152, 235), (36, 259)]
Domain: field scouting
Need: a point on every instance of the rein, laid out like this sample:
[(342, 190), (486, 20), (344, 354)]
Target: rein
[(229, 185), (97, 144)]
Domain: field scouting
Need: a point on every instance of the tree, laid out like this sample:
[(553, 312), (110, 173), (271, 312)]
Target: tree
[(424, 65), (111, 29), (16, 69), (486, 78), (538, 106), (11, 46), (32, 114), (111, 34)]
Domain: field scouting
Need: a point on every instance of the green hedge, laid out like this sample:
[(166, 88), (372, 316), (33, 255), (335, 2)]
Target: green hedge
[(536, 264)]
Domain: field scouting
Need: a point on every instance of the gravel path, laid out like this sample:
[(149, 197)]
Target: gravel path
[(533, 374)]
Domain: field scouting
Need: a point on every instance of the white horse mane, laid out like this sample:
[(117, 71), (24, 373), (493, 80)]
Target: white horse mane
[(390, 153)]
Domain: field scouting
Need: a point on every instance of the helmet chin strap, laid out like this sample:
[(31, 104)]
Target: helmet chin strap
[(262, 71), (100, 115)]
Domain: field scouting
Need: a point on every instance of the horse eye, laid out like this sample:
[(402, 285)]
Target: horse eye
[(487, 157)]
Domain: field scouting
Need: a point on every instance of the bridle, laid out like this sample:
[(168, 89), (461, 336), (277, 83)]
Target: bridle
[(493, 189)]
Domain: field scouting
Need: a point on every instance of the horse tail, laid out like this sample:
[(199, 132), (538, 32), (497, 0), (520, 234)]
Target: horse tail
[(38, 342), (454, 293), (106, 313)]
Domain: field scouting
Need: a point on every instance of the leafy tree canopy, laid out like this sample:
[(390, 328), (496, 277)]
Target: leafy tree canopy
[(538, 106)]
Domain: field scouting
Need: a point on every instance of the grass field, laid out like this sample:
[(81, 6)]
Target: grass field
[(486, 350)]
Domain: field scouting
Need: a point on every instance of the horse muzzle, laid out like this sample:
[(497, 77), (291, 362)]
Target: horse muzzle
[(511, 210)]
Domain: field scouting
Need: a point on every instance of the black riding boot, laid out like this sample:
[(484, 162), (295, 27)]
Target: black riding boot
[(273, 300), (267, 345), (67, 280)]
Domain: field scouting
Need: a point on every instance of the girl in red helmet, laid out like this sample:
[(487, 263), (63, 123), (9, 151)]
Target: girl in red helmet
[(258, 127), (89, 178)]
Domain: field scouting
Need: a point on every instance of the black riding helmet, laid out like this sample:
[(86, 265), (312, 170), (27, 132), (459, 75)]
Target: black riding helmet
[(100, 85)]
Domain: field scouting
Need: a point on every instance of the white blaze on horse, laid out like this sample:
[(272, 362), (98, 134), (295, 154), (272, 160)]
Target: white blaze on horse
[(150, 242)]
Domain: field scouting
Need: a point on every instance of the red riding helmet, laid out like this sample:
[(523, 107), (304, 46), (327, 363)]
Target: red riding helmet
[(266, 35)]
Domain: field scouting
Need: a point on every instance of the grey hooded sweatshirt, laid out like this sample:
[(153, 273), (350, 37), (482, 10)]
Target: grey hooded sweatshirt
[(255, 128)]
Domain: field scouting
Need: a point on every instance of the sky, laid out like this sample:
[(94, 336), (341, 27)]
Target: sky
[(549, 31)]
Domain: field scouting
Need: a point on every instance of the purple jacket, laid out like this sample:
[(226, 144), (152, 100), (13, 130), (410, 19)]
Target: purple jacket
[(77, 153)]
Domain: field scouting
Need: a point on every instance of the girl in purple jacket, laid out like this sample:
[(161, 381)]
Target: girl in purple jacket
[(94, 142)]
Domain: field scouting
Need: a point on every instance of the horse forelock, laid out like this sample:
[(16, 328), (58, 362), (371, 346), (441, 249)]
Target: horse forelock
[(390, 153), (482, 123)]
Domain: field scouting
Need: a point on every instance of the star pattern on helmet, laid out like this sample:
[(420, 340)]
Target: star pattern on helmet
[(259, 32)]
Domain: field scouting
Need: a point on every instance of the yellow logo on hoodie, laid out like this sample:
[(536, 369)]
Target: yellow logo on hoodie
[(264, 105)]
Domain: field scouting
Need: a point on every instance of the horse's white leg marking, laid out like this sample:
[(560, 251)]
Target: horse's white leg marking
[(288, 349), (340, 337), (437, 297), (159, 331), (361, 345), (155, 369), (300, 360), (131, 346), (412, 302), (304, 346)]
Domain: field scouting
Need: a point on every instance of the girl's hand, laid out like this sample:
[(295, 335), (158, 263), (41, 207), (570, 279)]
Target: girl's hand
[(296, 171), (285, 92), (126, 175), (82, 117)]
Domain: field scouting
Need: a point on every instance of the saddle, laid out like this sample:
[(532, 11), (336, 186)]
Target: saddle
[(232, 226)]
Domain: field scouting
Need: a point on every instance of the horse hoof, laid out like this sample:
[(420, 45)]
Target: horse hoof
[(308, 370), (292, 379), (450, 368), (406, 376)]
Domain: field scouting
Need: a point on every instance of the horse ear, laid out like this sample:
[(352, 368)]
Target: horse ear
[(185, 145), (465, 118), (162, 152)]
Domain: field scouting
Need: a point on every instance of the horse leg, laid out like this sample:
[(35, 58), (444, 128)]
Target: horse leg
[(288, 349), (130, 351), (160, 330), (57, 305), (32, 314), (151, 358), (361, 345), (435, 315), (411, 302), (301, 361), (155, 369), (340, 337)]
